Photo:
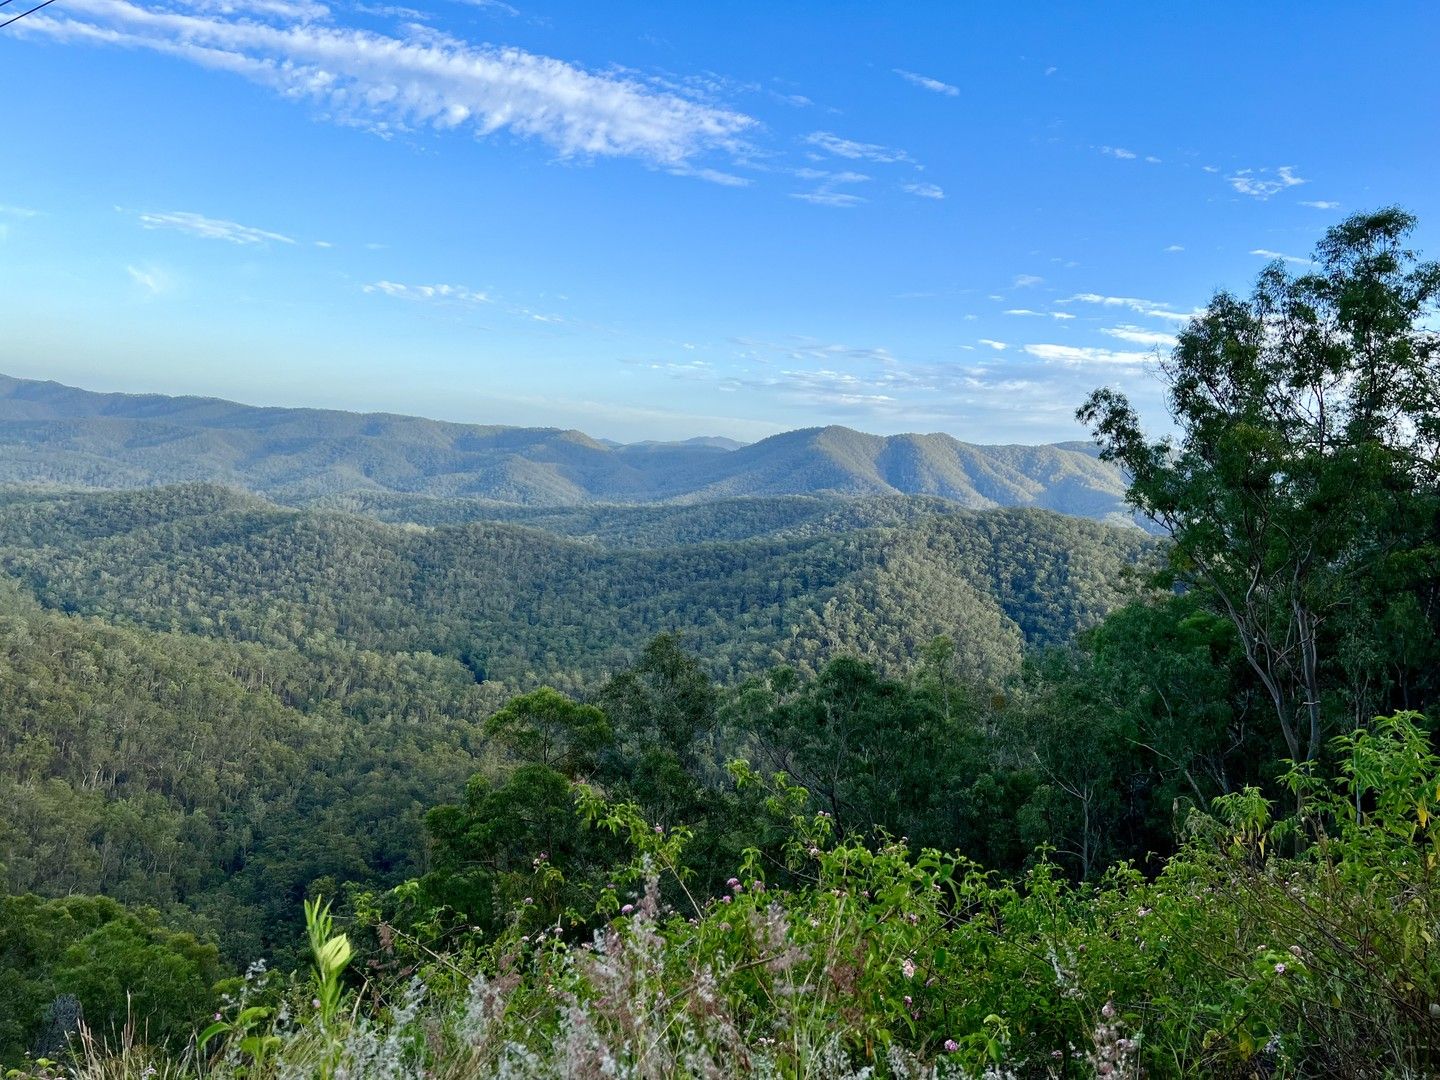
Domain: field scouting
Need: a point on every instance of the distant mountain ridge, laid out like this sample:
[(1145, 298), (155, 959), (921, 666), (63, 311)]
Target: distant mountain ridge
[(55, 435)]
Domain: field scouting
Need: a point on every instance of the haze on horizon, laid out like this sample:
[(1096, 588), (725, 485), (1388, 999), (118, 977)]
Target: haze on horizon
[(672, 223)]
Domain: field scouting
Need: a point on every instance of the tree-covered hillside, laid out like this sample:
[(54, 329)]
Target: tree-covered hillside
[(517, 605), (217, 781), (53, 435)]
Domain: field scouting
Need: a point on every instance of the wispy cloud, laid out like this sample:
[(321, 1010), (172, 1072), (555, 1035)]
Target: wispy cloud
[(1119, 152), (998, 346), (384, 84), (496, 6), (1263, 183), (856, 151), (827, 192), (1079, 356), (1137, 335), (454, 293), (18, 211), (208, 228), (1266, 253), (802, 348), (1150, 308), (924, 191), (712, 176), (1174, 248), (152, 280), (1320, 204), (927, 83), (1025, 281), (1039, 314)]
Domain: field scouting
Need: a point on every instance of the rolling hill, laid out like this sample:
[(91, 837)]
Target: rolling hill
[(58, 436)]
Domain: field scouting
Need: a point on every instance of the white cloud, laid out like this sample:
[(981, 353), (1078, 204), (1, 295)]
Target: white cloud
[(1039, 314), (455, 293), (1265, 182), (1150, 308), (152, 280), (925, 191), (928, 83), (1077, 356), (998, 346), (384, 83), (1266, 253), (1320, 204), (712, 176), (287, 10), (1137, 335), (1025, 281), (828, 198), (493, 5), (825, 193), (1118, 152), (856, 151), (207, 228), (1152, 159), (18, 211), (1175, 247)]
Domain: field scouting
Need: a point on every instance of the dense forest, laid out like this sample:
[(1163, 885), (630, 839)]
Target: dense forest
[(518, 605), (776, 787)]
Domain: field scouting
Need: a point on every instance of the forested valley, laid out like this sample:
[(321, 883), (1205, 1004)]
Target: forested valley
[(779, 785)]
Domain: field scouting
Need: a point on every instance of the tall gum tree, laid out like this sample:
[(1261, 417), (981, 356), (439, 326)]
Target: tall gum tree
[(1299, 490)]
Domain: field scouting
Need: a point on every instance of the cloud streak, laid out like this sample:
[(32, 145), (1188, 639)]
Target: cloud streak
[(1082, 356), (385, 84), (827, 192), (925, 82), (208, 228), (924, 191), (454, 293), (1152, 309), (834, 145), (1266, 253)]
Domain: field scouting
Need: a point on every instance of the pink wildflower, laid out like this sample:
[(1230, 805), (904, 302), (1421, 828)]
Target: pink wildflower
[(951, 1045), (627, 909)]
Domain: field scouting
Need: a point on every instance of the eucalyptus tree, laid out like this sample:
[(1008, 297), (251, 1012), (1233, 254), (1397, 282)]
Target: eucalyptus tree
[(1299, 490)]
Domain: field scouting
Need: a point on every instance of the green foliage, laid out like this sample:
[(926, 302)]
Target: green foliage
[(119, 964), (517, 608), (219, 783), (1301, 494), (1235, 960)]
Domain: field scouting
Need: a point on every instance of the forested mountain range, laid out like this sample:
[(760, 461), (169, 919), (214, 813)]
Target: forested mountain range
[(54, 435)]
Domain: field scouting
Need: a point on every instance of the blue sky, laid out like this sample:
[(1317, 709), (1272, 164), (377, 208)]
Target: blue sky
[(657, 221)]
